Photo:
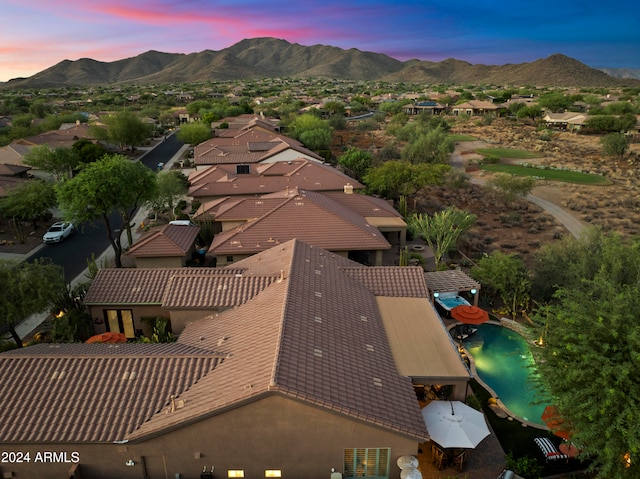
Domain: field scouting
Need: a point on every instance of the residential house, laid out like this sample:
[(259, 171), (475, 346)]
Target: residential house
[(252, 225), (568, 120), (477, 108), (312, 371), (11, 176), (250, 146), (430, 107), (256, 179), (170, 246)]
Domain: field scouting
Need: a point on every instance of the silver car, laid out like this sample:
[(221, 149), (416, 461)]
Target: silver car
[(58, 232)]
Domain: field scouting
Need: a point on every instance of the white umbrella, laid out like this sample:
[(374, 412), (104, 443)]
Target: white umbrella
[(453, 424), (405, 462), (410, 473)]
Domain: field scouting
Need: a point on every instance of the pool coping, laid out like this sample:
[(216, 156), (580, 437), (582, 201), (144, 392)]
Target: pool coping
[(514, 326)]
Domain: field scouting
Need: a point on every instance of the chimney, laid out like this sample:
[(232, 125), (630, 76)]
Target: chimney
[(348, 188)]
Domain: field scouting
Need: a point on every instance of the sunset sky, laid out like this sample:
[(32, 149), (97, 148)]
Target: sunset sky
[(37, 34)]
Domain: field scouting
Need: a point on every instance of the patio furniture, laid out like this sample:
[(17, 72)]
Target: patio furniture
[(549, 450)]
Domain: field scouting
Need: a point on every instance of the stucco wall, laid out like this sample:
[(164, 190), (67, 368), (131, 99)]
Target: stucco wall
[(302, 441)]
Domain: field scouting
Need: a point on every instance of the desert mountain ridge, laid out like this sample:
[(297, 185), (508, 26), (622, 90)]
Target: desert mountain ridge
[(270, 58)]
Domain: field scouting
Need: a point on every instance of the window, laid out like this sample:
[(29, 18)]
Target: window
[(242, 169), (367, 462), (229, 259), (235, 473), (120, 321), (273, 473)]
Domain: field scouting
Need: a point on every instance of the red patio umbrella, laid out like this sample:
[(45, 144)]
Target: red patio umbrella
[(469, 314), (554, 422), (107, 338)]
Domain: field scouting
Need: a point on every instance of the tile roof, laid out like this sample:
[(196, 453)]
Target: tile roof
[(170, 240), (399, 281), (92, 393), (364, 205), (222, 180), (142, 286), (308, 216), (313, 331), (247, 146), (315, 334), (213, 291)]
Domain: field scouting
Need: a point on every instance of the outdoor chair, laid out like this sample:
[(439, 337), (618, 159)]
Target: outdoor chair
[(458, 461), (549, 450)]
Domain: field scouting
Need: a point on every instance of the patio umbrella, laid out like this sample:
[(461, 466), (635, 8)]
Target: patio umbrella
[(453, 424), (107, 338), (554, 422), (469, 314)]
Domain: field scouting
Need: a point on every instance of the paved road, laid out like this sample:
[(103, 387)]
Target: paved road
[(91, 238)]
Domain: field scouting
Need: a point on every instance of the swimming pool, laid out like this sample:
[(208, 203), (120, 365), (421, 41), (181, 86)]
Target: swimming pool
[(504, 362)]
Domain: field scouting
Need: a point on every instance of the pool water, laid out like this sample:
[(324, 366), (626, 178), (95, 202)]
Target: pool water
[(504, 362)]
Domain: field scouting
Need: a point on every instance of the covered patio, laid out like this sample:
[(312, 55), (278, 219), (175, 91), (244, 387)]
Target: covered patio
[(451, 281)]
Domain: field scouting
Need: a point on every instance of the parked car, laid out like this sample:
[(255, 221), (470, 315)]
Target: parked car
[(58, 232)]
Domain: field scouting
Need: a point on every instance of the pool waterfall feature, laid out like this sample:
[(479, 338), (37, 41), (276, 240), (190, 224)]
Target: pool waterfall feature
[(502, 362)]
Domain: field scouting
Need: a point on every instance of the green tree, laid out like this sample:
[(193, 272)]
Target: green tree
[(29, 201), (87, 151), (194, 133), (126, 129), (441, 230), (171, 185), (356, 161), (509, 187), (317, 139), (555, 101), (59, 161), (615, 145), (113, 183), (505, 276), (306, 123), (434, 146), (28, 288), (395, 178)]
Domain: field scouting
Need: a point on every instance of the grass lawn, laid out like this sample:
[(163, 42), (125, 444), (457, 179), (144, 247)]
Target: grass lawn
[(507, 153), (553, 175), (462, 138)]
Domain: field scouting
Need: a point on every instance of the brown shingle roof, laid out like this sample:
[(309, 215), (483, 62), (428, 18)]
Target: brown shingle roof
[(315, 334), (77, 393), (222, 180), (170, 240), (402, 281), (306, 215), (140, 285)]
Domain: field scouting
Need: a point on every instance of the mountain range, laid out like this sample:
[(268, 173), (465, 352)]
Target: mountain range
[(271, 58)]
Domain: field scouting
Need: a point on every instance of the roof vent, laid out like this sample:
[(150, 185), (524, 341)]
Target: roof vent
[(348, 188), (369, 347), (317, 353), (317, 319), (222, 340), (377, 382), (58, 375), (129, 375), (364, 318)]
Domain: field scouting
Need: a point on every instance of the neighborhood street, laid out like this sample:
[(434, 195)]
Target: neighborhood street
[(91, 238)]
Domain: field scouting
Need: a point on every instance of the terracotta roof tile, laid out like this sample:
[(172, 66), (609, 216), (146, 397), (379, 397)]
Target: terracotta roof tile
[(139, 285), (222, 180), (402, 281), (208, 292), (314, 334), (306, 215), (170, 240), (80, 395)]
